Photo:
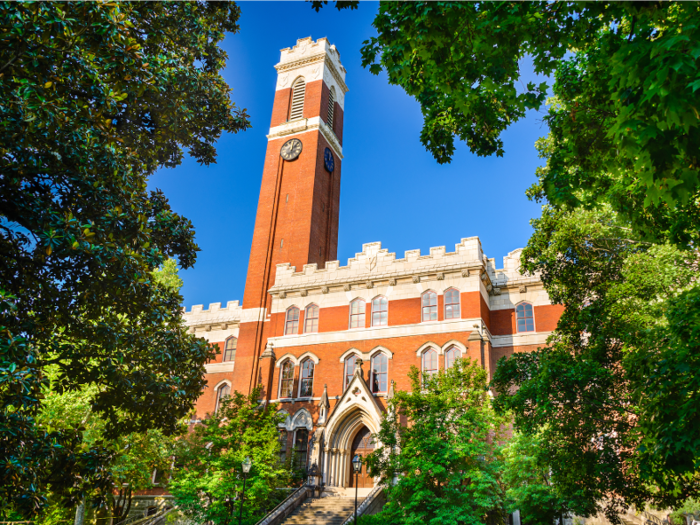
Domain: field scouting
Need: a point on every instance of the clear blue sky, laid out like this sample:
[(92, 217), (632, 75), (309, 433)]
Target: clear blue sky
[(392, 190)]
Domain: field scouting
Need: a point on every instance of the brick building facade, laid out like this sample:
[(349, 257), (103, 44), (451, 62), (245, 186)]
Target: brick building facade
[(330, 343)]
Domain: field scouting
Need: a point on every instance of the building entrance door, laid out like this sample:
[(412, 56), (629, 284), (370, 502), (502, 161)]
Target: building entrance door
[(362, 445)]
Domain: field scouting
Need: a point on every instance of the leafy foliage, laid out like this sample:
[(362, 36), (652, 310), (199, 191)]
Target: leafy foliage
[(438, 455), (528, 482), (209, 462), (616, 393), (625, 126), (97, 96)]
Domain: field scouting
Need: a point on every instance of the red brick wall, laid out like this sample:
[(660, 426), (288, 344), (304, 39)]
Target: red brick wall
[(280, 107), (404, 311), (338, 122), (547, 317)]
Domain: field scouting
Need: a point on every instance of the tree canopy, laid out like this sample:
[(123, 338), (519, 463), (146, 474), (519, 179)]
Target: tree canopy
[(96, 97)]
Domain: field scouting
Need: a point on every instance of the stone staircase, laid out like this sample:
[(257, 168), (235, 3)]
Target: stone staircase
[(322, 511)]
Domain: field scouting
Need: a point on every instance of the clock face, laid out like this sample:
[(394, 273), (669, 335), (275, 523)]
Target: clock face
[(328, 160), (291, 149)]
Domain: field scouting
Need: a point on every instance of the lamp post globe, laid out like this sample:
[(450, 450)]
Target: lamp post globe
[(245, 467)]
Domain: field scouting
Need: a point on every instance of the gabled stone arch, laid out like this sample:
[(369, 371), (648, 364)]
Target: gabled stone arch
[(302, 419)]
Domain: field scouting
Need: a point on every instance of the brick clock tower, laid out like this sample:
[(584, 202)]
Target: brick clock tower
[(297, 217)]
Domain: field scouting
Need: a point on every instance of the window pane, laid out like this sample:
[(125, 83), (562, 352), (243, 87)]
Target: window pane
[(379, 373)]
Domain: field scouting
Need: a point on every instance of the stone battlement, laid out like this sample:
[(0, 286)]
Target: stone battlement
[(214, 315)]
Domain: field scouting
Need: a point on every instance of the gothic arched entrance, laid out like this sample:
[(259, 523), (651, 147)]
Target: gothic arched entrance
[(362, 445)]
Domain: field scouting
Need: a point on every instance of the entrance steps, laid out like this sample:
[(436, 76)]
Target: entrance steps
[(349, 492), (327, 510)]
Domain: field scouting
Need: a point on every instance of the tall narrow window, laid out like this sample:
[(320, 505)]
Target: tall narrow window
[(357, 313), (430, 362), (379, 373), (301, 445), (222, 393), (331, 108), (298, 92), (311, 319), (380, 314), (287, 380), (350, 365), (429, 305), (306, 383), (525, 317), (230, 349), (291, 326), (451, 356), (283, 446), (452, 304)]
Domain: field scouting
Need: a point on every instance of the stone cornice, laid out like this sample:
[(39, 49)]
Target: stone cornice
[(319, 57), (304, 125)]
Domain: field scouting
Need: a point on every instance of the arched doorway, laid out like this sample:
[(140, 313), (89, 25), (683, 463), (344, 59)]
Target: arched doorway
[(362, 445)]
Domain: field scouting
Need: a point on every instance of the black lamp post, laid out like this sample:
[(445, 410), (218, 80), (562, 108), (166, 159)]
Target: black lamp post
[(246, 468), (357, 465)]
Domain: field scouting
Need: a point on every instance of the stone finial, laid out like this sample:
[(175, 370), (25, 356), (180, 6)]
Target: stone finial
[(324, 403), (390, 394), (475, 336), (269, 352), (358, 368)]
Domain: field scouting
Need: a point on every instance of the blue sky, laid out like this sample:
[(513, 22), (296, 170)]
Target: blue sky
[(392, 190)]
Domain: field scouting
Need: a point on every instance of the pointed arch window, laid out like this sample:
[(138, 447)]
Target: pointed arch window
[(379, 373), (429, 306), (230, 349), (451, 356), (380, 311), (301, 447), (525, 317), (287, 380), (331, 107), (311, 319), (298, 92), (291, 325), (350, 366), (222, 393), (452, 304), (283, 446), (357, 313), (430, 362), (306, 382)]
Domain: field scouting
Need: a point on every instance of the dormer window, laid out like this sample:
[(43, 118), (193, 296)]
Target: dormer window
[(298, 93)]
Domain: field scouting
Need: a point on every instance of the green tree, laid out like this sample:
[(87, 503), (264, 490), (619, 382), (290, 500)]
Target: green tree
[(529, 488), (626, 126), (438, 455), (209, 461), (616, 394), (96, 97)]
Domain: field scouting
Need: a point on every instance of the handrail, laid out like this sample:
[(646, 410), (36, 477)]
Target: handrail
[(280, 504), (653, 519), (363, 506), (143, 520)]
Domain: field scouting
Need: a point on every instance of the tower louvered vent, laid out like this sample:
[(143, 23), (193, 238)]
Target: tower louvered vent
[(331, 107), (298, 92)]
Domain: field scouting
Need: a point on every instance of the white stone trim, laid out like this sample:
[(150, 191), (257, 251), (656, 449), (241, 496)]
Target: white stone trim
[(429, 345), (377, 332), (453, 342), (253, 315), (521, 339), (310, 355), (353, 351), (380, 350), (282, 359), (217, 368), (222, 382), (302, 419), (306, 125)]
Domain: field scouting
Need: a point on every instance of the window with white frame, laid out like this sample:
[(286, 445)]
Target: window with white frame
[(451, 355), (222, 393), (306, 379), (380, 311), (430, 362), (379, 373), (287, 379), (350, 365), (230, 349), (429, 306), (525, 317), (311, 319), (357, 313), (452, 304), (291, 325), (298, 92)]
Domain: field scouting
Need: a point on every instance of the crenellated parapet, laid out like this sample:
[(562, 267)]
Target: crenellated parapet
[(213, 318), (375, 266)]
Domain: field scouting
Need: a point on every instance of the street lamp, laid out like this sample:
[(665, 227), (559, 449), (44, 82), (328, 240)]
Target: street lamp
[(246, 468), (357, 465)]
